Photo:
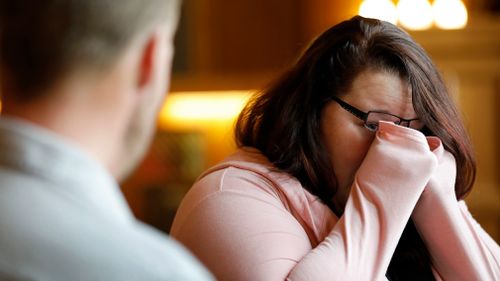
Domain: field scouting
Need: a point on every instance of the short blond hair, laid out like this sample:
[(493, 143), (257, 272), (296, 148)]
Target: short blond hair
[(40, 41)]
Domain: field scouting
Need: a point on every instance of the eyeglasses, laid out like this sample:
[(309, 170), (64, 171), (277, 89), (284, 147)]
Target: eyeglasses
[(371, 119)]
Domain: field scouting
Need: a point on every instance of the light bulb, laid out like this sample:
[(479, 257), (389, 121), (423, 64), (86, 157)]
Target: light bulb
[(379, 9), (415, 14), (449, 14)]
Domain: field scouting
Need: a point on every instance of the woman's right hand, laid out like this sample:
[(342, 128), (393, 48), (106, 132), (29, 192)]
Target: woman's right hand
[(387, 186)]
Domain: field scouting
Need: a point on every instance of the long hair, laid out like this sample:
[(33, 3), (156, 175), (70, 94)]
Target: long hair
[(283, 121)]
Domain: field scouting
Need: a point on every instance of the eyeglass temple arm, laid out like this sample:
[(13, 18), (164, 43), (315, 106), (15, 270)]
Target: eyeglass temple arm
[(356, 112)]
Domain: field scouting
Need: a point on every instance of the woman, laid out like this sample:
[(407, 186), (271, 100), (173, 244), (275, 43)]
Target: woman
[(335, 178)]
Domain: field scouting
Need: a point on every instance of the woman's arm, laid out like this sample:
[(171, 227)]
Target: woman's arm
[(460, 249), (386, 189), (246, 230)]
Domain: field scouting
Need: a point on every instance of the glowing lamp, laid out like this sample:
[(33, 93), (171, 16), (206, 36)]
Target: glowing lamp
[(379, 9), (193, 109), (449, 14), (415, 14)]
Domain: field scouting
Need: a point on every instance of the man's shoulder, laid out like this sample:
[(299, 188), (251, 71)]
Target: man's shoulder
[(50, 236), (93, 251), (146, 252)]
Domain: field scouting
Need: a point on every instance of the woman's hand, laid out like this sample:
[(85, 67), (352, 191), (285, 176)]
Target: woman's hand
[(442, 181), (458, 247)]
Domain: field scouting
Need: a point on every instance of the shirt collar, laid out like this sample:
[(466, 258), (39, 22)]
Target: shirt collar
[(40, 153)]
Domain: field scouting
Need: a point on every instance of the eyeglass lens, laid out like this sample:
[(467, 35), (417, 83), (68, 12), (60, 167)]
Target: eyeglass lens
[(373, 118)]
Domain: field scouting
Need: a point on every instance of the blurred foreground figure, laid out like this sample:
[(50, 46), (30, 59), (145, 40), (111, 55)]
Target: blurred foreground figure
[(81, 84)]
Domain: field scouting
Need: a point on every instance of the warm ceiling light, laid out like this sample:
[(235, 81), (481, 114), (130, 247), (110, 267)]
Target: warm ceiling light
[(450, 14), (379, 9), (415, 14)]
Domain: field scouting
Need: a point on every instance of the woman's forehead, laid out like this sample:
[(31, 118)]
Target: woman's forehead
[(382, 91), (381, 86)]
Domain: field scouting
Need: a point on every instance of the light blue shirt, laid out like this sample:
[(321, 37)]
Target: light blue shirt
[(63, 217)]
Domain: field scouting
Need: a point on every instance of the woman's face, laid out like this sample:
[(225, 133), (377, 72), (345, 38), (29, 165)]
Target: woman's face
[(344, 136)]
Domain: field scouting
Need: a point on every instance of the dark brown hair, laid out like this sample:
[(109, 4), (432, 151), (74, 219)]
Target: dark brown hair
[(41, 41), (283, 121)]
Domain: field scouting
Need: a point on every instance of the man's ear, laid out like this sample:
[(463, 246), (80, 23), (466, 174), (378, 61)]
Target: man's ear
[(147, 61)]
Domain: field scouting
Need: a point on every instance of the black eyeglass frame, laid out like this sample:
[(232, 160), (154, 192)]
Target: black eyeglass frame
[(363, 116)]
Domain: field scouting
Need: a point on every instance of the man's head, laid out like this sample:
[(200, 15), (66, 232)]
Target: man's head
[(102, 65)]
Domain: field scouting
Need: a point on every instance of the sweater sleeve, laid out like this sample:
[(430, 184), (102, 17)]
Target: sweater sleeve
[(245, 230), (460, 249), (386, 189)]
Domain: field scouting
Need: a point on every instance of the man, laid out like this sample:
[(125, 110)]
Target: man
[(81, 83)]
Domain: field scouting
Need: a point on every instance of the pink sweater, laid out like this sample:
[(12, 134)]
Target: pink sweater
[(247, 221)]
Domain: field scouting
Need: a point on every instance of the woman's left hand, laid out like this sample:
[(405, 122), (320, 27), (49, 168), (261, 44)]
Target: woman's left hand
[(459, 248), (442, 181)]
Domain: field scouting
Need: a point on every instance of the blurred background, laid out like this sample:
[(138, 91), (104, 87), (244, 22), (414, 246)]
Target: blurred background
[(226, 50)]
